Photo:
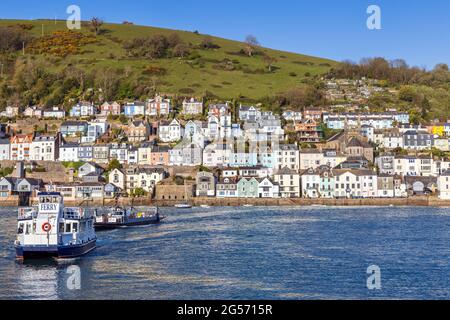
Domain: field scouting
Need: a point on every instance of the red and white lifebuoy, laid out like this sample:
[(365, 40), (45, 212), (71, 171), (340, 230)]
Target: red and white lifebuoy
[(47, 227)]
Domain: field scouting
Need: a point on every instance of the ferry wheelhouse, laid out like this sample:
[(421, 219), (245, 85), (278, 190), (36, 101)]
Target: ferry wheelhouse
[(51, 230)]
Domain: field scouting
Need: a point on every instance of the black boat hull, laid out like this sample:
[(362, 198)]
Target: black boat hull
[(112, 226)]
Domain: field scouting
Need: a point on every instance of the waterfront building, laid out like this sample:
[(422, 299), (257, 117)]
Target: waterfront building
[(355, 184), (386, 186), (443, 184), (318, 183), (268, 189), (248, 188), (289, 182), (205, 184), (145, 178), (227, 188)]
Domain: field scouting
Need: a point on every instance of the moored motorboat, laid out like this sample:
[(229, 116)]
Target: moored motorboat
[(118, 217), (183, 206), (49, 230)]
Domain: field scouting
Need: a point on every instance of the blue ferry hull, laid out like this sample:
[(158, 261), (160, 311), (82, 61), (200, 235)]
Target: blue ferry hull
[(59, 252)]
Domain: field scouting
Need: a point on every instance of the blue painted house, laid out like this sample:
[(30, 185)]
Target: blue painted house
[(134, 109)]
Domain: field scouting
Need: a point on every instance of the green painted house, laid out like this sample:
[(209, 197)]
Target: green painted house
[(248, 188)]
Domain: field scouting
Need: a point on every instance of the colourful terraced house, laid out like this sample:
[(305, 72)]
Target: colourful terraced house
[(248, 188)]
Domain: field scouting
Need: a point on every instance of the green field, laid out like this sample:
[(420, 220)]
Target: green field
[(251, 80)]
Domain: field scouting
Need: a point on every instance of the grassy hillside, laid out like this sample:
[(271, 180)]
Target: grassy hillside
[(224, 72)]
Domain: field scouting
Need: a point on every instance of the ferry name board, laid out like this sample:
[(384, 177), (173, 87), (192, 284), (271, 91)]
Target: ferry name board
[(48, 207)]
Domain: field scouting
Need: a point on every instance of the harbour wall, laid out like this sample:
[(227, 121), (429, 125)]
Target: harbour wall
[(237, 202)]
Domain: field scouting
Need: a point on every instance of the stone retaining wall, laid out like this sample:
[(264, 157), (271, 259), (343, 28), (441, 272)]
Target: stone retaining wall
[(237, 202)]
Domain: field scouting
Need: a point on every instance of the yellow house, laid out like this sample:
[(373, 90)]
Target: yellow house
[(438, 130)]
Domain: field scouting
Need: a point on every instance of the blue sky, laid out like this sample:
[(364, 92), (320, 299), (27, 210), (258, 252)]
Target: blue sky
[(416, 30)]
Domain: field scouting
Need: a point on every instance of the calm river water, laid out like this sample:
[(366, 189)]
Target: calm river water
[(250, 253)]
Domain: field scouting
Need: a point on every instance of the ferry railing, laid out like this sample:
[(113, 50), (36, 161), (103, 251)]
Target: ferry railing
[(27, 213), (77, 213)]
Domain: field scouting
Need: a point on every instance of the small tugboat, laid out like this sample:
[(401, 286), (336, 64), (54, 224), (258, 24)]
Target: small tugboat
[(119, 217), (51, 230)]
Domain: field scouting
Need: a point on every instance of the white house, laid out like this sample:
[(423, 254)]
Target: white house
[(443, 182), (45, 148), (217, 155), (393, 140), (54, 113), (170, 131), (414, 166), (4, 149), (268, 189), (289, 182), (95, 130), (287, 155), (84, 109), (68, 152), (89, 168), (355, 184)]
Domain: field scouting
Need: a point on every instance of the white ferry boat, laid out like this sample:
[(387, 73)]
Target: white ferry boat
[(51, 230)]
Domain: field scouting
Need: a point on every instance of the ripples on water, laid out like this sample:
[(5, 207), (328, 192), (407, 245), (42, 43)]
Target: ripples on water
[(250, 253)]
